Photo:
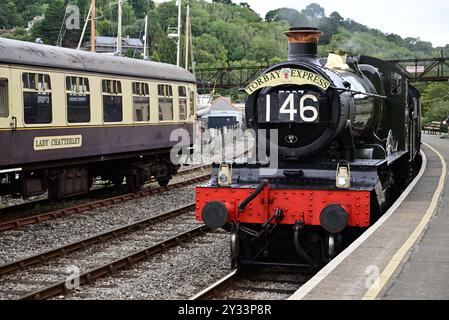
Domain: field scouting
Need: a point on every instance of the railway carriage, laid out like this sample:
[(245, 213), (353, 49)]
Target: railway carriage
[(347, 139), (67, 116)]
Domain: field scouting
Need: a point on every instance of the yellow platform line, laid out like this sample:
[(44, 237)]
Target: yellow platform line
[(393, 265)]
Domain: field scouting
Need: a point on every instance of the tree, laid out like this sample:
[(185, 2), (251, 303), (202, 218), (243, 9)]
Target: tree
[(9, 17), (292, 16), (49, 28), (142, 7), (336, 17), (209, 50), (167, 15), (314, 11), (224, 1)]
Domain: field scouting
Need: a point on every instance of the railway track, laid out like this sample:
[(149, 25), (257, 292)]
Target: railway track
[(264, 283), (16, 223), (45, 275)]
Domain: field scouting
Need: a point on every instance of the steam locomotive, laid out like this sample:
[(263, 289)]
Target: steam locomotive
[(346, 144)]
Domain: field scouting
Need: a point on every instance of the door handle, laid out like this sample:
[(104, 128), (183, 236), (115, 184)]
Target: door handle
[(13, 123)]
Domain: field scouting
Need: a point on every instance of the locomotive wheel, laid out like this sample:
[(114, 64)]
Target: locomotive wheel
[(163, 182), (90, 181), (117, 180), (133, 183), (330, 244), (235, 247)]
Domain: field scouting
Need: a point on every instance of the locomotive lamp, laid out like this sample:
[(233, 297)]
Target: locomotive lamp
[(343, 177), (225, 175)]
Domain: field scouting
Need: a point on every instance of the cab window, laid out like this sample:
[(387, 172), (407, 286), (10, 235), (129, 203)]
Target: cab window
[(165, 102), (141, 101), (37, 98), (4, 110), (112, 101), (396, 83), (78, 100)]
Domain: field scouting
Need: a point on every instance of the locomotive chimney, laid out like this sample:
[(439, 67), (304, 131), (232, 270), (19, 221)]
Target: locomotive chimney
[(303, 44)]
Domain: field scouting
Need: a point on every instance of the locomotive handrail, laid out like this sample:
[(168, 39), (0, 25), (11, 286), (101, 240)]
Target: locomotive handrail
[(252, 196), (359, 92)]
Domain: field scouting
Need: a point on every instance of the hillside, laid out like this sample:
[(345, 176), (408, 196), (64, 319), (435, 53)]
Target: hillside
[(223, 32)]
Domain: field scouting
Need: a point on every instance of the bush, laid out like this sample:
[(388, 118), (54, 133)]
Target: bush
[(438, 111)]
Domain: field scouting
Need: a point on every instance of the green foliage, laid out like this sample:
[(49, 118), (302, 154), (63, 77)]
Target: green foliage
[(224, 32), (209, 50), (435, 101), (366, 43), (292, 16), (9, 17), (48, 29), (142, 7), (20, 34)]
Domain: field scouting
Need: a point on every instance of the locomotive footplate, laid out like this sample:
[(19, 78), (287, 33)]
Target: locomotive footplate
[(304, 205), (302, 195)]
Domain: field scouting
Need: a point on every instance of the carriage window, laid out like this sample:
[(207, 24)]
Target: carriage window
[(37, 98), (192, 104), (112, 101), (182, 103), (165, 102), (4, 111), (141, 101), (78, 100), (396, 83)]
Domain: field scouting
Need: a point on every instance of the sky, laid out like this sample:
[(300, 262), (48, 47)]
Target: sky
[(428, 20)]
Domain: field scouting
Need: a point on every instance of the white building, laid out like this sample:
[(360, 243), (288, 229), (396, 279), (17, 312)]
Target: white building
[(221, 113)]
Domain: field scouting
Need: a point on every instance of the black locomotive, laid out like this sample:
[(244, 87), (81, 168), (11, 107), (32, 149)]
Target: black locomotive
[(346, 144)]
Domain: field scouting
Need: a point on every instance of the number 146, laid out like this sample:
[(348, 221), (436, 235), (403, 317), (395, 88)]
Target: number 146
[(288, 107)]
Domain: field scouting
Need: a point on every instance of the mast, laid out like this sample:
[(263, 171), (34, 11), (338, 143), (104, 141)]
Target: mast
[(178, 56), (187, 35), (85, 27), (145, 39), (92, 48), (119, 33)]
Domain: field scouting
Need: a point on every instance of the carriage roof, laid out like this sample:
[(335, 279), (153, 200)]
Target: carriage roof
[(32, 54)]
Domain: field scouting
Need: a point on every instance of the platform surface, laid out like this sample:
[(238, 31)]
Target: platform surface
[(425, 275), (421, 271)]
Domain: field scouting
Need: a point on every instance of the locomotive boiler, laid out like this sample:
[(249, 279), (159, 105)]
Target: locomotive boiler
[(342, 139)]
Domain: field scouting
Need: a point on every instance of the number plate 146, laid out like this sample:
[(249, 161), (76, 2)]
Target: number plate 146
[(289, 107)]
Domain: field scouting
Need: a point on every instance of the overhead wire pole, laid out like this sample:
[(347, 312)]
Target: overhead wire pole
[(145, 39), (178, 56), (92, 47), (84, 28), (187, 35), (119, 35)]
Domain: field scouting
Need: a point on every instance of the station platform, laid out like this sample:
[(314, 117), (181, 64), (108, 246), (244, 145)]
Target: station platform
[(405, 255)]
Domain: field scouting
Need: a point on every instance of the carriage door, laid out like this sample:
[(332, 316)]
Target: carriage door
[(5, 99)]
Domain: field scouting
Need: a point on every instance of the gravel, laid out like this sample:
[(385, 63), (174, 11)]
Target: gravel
[(17, 244), (179, 273), (93, 257)]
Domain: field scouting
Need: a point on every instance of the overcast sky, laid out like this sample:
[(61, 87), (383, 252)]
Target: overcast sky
[(428, 20)]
